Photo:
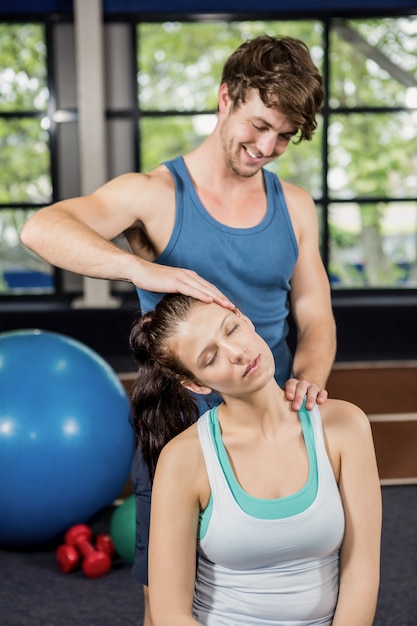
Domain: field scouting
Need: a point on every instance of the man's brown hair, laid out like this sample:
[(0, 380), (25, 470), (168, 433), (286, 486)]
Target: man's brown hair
[(282, 71)]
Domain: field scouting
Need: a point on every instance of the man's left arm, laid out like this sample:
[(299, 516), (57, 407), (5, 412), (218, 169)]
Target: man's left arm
[(311, 309)]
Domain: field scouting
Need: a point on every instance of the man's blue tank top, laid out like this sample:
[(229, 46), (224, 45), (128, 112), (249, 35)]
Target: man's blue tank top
[(251, 266)]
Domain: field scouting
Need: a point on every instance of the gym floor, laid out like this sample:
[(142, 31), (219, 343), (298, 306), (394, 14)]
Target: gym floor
[(33, 592)]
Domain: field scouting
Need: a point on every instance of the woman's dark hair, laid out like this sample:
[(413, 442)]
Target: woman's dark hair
[(282, 71), (161, 406)]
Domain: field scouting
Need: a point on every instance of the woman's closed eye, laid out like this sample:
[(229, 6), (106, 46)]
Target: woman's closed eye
[(212, 359), (233, 329)]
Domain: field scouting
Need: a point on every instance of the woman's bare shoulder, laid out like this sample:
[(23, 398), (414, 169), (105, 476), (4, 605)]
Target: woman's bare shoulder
[(183, 452), (344, 418)]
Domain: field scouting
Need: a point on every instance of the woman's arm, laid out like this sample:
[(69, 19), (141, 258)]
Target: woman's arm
[(173, 533), (361, 494)]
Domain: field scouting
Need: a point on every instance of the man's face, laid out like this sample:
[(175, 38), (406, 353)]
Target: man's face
[(252, 135)]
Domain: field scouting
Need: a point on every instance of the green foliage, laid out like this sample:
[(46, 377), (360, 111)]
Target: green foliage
[(24, 150), (24, 161), (23, 79), (180, 63)]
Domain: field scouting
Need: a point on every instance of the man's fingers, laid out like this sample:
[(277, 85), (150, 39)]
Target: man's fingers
[(298, 390), (192, 284)]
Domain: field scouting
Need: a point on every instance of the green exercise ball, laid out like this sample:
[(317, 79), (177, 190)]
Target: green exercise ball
[(123, 529)]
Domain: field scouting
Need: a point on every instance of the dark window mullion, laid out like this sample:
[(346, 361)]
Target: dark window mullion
[(325, 144), (53, 144)]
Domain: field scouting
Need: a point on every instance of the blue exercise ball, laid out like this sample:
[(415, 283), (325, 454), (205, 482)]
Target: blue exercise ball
[(66, 444)]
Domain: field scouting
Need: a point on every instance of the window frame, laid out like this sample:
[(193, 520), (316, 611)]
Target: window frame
[(135, 114)]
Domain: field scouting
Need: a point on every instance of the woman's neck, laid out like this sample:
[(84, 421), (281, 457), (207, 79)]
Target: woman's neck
[(267, 409)]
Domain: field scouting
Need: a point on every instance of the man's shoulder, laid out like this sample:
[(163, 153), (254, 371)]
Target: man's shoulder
[(134, 180), (294, 191), (152, 197), (146, 185)]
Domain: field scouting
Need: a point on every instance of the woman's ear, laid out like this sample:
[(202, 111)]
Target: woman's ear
[(192, 385)]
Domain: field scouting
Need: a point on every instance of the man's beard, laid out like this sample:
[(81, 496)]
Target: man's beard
[(233, 163)]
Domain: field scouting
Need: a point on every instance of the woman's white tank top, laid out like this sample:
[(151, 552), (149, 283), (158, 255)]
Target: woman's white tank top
[(268, 562)]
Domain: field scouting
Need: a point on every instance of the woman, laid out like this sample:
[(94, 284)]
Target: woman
[(284, 509)]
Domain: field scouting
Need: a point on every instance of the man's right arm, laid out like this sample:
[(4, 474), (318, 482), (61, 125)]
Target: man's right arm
[(76, 235)]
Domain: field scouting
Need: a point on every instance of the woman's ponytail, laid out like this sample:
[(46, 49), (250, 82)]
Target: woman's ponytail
[(161, 406)]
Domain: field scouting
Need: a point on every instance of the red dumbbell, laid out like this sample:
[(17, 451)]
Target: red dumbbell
[(95, 563), (105, 544), (67, 558)]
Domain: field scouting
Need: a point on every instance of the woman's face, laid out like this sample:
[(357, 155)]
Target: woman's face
[(223, 351)]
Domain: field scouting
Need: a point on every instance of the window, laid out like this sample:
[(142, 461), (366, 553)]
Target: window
[(360, 166), (372, 153), (25, 181)]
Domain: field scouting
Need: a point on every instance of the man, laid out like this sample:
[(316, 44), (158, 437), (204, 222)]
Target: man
[(217, 226)]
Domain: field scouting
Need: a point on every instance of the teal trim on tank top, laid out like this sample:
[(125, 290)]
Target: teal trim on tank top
[(268, 509)]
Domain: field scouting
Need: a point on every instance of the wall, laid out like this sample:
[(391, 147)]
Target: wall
[(387, 392)]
